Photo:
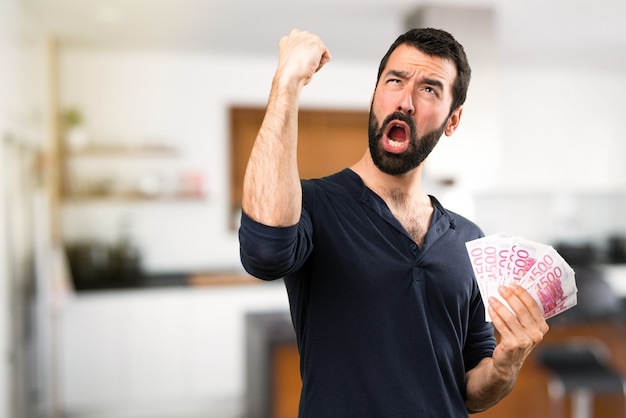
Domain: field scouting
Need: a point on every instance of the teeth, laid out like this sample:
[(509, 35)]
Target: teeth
[(395, 144)]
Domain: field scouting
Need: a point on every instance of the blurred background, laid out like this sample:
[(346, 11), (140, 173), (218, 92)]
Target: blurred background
[(125, 127)]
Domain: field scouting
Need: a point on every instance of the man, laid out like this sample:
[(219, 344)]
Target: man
[(388, 317)]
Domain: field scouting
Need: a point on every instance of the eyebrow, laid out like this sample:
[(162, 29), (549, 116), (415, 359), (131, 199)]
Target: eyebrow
[(398, 73), (425, 80), (433, 82)]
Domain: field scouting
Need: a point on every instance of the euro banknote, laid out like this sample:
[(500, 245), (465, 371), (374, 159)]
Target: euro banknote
[(501, 259)]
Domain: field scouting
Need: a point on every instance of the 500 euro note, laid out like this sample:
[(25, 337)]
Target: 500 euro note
[(483, 255), (551, 282), (502, 260), (521, 257)]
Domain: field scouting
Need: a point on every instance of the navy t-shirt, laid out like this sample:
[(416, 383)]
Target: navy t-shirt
[(384, 328)]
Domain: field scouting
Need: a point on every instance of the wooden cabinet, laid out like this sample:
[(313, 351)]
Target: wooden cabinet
[(328, 141)]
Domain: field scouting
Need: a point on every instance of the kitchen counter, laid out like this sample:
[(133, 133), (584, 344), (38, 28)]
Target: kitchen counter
[(170, 279)]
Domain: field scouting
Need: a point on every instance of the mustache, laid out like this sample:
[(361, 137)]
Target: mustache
[(399, 116)]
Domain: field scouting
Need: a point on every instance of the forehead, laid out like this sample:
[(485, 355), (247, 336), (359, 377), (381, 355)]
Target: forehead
[(417, 63)]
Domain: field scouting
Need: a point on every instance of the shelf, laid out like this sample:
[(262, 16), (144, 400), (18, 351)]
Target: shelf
[(119, 151), (131, 198), (110, 173)]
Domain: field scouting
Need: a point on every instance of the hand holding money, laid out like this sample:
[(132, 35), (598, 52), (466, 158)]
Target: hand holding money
[(502, 260)]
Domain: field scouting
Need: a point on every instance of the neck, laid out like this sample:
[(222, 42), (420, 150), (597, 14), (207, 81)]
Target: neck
[(394, 189)]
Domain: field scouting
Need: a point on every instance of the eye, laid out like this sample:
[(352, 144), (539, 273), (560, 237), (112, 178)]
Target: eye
[(394, 84), (431, 90)]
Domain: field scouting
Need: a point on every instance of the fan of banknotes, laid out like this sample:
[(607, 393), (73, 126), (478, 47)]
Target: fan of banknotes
[(501, 259)]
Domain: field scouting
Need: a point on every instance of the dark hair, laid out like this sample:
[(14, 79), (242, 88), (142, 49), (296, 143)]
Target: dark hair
[(437, 43)]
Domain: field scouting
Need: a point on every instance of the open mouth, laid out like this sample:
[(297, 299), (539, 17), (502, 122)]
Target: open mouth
[(396, 139)]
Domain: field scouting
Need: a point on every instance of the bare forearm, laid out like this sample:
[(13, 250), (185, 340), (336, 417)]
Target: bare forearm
[(271, 188), (272, 193), (486, 387)]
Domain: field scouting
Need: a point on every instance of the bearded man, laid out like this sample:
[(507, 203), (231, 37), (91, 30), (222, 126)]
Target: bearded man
[(388, 317)]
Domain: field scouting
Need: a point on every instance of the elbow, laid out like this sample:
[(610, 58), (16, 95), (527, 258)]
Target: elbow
[(256, 268), (271, 253), (261, 269), (268, 263)]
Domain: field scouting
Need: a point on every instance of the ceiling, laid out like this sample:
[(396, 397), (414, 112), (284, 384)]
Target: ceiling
[(592, 31)]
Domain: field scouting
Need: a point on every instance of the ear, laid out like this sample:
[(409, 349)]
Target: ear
[(453, 121)]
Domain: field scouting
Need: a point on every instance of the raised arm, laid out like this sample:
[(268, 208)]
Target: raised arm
[(520, 332), (272, 194)]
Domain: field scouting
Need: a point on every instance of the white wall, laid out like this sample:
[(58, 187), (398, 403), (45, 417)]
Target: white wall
[(563, 176), (6, 15), (564, 128), (22, 97)]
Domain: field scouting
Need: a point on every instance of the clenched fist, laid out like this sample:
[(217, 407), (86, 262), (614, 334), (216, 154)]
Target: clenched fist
[(302, 54)]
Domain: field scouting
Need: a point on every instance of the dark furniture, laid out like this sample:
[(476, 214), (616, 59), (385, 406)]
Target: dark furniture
[(579, 368)]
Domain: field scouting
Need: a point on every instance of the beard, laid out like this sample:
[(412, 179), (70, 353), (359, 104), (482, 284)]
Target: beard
[(419, 147)]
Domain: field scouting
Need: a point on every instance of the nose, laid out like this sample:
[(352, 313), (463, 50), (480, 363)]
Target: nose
[(406, 103)]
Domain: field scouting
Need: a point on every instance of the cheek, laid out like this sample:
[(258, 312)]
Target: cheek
[(385, 103), (378, 107), (429, 118)]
